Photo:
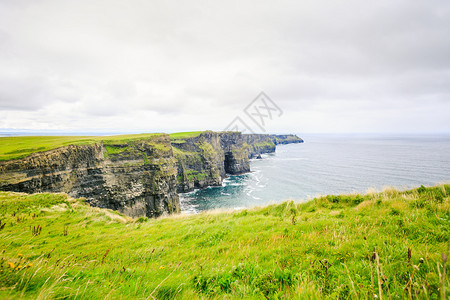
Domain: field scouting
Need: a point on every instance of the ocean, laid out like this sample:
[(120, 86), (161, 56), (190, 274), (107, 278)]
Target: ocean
[(330, 164)]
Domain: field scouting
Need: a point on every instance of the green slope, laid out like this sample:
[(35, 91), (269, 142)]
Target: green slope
[(332, 247)]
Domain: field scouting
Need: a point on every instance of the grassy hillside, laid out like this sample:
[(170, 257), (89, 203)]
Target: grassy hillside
[(385, 245)]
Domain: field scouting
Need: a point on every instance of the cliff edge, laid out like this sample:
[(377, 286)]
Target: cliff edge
[(138, 176)]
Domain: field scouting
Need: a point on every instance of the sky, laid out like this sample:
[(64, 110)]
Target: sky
[(163, 66)]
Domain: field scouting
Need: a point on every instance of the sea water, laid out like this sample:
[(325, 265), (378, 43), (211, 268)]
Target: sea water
[(330, 164)]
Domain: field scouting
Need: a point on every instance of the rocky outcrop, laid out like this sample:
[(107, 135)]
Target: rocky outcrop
[(200, 161), (206, 160), (138, 177), (285, 139), (259, 144)]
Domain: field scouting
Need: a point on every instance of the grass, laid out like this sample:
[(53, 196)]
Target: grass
[(268, 144), (387, 245), (193, 175), (22, 146), (184, 135)]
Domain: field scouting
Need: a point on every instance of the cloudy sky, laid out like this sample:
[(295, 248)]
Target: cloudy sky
[(152, 66)]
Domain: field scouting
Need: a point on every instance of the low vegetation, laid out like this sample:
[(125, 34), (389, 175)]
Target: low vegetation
[(387, 245), (268, 144), (184, 135)]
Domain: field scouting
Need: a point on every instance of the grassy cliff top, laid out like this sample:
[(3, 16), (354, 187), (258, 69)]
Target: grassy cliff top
[(385, 245), (184, 135), (22, 146)]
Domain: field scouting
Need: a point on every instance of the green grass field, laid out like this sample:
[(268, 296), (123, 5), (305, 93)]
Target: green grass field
[(184, 135), (22, 146), (388, 245)]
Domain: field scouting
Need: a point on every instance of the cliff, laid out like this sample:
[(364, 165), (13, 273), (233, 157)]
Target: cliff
[(205, 160), (140, 176), (285, 139), (136, 177)]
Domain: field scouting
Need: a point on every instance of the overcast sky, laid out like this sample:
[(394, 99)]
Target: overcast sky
[(152, 66)]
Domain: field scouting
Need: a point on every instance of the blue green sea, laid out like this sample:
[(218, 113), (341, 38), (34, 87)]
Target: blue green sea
[(330, 164)]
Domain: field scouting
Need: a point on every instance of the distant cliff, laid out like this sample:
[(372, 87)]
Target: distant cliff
[(138, 177), (206, 159)]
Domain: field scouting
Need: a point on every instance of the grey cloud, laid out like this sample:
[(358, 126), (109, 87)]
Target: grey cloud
[(33, 92), (23, 94), (107, 60)]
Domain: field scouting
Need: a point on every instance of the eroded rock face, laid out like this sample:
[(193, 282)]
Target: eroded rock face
[(138, 177), (259, 144), (206, 160), (200, 161), (285, 139)]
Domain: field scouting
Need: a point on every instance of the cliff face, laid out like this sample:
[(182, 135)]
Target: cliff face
[(285, 139), (259, 144), (206, 159), (200, 161), (138, 177)]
